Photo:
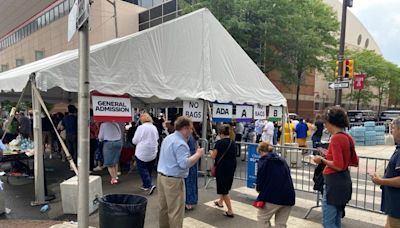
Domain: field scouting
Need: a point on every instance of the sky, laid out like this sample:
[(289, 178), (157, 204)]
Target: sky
[(382, 20)]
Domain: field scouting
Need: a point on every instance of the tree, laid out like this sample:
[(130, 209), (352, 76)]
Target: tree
[(379, 72), (293, 37)]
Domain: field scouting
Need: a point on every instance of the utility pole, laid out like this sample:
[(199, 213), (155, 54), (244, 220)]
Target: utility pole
[(338, 92), (83, 116), (113, 3)]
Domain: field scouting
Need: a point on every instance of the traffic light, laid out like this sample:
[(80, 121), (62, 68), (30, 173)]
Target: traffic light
[(337, 69), (348, 71)]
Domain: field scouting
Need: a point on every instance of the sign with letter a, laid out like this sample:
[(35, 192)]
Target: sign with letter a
[(260, 112), (244, 113), (194, 110), (275, 113), (221, 112)]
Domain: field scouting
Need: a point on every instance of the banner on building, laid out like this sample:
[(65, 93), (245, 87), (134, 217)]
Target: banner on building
[(275, 113), (244, 113), (194, 110), (260, 112), (111, 108), (221, 112), (359, 81)]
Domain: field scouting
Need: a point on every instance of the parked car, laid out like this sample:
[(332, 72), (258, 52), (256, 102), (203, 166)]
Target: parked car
[(361, 115), (293, 116), (389, 115)]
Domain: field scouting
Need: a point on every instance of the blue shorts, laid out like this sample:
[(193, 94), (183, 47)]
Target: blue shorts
[(111, 152)]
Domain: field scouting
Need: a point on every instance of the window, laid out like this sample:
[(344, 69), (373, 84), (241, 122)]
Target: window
[(366, 43), (359, 39), (47, 18), (66, 6), (51, 15), (19, 62), (43, 20), (39, 55), (61, 9), (56, 13), (4, 67)]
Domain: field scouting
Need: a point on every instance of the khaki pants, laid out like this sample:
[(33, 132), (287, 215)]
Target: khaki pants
[(171, 194), (392, 222), (281, 215)]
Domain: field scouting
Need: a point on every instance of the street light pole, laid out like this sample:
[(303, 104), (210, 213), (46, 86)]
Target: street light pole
[(338, 92)]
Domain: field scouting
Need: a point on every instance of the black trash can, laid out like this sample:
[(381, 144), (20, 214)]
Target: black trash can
[(122, 209)]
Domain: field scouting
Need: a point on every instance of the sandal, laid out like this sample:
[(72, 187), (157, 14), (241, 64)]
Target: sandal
[(229, 215), (189, 207), (216, 203)]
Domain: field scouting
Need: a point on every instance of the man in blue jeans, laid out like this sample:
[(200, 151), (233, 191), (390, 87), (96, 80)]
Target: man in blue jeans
[(390, 182), (70, 124)]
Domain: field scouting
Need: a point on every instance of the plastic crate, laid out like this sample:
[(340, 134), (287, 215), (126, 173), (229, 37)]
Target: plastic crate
[(360, 143), (380, 128), (369, 124), (380, 142), (369, 128), (370, 143)]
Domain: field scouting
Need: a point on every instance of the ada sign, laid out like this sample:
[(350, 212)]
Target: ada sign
[(221, 112), (260, 112), (194, 110), (244, 113), (111, 108), (275, 113)]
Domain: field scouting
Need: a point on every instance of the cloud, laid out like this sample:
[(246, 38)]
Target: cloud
[(383, 21)]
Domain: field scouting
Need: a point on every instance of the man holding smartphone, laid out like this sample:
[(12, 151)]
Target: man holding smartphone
[(390, 182)]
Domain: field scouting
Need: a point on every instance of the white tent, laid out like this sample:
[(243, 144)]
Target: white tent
[(191, 57)]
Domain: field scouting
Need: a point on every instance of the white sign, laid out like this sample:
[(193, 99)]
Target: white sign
[(244, 113), (338, 85), (111, 108), (222, 112), (83, 13), (194, 110), (72, 17), (275, 112), (260, 112)]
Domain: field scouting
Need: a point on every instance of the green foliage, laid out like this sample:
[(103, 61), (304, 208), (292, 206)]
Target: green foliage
[(380, 74), (290, 36)]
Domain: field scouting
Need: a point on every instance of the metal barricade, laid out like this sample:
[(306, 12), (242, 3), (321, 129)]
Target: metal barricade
[(366, 195)]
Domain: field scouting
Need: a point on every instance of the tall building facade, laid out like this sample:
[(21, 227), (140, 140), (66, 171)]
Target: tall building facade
[(45, 33)]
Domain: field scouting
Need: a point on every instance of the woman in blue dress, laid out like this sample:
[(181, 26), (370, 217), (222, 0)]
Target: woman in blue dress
[(191, 180)]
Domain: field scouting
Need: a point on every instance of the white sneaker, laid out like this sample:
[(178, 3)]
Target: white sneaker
[(98, 168)]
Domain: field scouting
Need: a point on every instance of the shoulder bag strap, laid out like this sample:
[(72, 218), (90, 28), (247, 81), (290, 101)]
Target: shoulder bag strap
[(230, 143), (350, 144)]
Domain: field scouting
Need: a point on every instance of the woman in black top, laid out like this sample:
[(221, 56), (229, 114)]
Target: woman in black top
[(224, 154), (319, 128)]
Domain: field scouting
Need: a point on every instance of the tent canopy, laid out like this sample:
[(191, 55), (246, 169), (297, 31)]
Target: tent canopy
[(191, 57)]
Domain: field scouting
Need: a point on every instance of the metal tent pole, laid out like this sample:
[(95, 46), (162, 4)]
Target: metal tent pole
[(38, 148), (83, 127)]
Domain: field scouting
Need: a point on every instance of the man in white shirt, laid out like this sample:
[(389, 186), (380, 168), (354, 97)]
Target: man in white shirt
[(268, 132)]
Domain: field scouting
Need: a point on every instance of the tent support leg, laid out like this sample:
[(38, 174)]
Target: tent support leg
[(83, 128), (38, 149)]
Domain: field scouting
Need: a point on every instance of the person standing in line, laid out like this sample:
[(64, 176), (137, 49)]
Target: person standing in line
[(310, 127), (319, 128), (275, 187), (94, 133), (191, 185), (268, 132), (146, 141), (239, 130), (258, 127), (173, 166), (340, 156), (70, 124), (225, 162), (110, 134), (24, 126), (301, 133), (390, 182)]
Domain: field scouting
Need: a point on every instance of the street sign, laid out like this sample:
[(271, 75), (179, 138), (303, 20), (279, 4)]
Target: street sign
[(359, 81), (72, 18), (338, 85)]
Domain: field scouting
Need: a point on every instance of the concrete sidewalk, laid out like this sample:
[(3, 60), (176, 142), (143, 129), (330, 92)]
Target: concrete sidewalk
[(21, 192)]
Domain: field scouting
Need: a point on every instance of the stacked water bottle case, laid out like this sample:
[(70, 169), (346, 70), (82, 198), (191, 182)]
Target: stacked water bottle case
[(369, 134)]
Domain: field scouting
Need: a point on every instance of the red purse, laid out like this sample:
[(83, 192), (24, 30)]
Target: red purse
[(259, 204)]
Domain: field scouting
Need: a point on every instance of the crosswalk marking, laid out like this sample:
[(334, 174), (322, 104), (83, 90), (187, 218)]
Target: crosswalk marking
[(189, 222), (250, 212), (351, 213)]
